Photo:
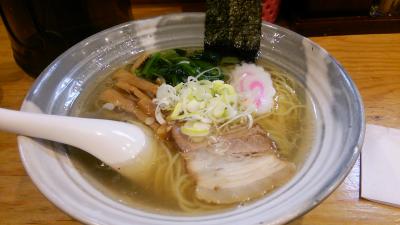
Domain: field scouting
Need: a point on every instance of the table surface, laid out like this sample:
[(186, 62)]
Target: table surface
[(373, 62)]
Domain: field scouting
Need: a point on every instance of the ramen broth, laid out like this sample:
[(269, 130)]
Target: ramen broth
[(293, 140)]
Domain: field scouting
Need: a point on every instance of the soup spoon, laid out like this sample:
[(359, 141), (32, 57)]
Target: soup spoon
[(115, 143)]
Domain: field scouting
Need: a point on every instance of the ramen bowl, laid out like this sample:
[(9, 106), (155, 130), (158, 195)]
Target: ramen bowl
[(339, 123)]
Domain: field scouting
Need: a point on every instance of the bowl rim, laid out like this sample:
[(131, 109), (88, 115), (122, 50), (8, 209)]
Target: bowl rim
[(334, 182)]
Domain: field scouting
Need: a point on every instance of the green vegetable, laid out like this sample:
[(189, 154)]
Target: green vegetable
[(180, 52), (176, 65), (146, 70)]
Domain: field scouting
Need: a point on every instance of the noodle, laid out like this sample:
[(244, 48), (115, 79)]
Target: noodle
[(283, 124), (168, 181), (171, 182)]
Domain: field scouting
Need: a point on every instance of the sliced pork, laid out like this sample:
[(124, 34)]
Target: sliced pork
[(234, 167)]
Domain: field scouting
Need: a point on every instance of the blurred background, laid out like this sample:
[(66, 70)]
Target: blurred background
[(40, 30), (307, 17)]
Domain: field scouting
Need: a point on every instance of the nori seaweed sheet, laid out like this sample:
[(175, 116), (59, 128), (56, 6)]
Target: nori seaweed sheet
[(233, 27)]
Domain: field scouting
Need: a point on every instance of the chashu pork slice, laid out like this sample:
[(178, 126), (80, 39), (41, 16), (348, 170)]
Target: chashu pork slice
[(234, 167)]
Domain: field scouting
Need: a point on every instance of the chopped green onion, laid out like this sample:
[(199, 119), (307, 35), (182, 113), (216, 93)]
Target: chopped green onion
[(200, 104)]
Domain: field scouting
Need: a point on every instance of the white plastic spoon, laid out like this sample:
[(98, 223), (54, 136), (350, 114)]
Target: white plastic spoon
[(115, 143)]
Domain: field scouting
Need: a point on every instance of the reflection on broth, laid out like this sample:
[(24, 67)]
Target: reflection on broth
[(225, 137)]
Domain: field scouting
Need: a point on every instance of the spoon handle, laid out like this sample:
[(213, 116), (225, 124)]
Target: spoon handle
[(110, 141), (37, 125)]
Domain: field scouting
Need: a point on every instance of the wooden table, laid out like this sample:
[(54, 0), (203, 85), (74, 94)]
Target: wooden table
[(373, 61)]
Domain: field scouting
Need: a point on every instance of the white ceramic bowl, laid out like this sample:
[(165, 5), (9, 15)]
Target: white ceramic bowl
[(339, 127)]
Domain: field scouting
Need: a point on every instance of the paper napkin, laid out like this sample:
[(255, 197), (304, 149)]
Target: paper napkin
[(380, 165)]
